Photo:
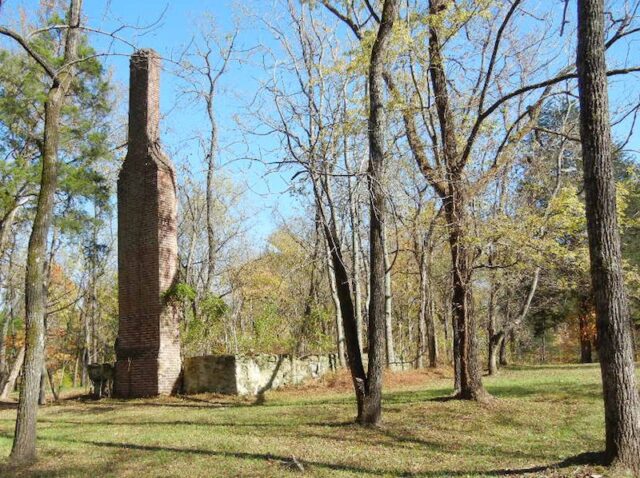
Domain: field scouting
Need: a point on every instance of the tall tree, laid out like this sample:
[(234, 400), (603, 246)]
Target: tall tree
[(24, 443), (446, 130), (621, 398), (377, 270), (203, 71)]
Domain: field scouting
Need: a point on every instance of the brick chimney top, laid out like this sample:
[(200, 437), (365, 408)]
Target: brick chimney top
[(144, 99)]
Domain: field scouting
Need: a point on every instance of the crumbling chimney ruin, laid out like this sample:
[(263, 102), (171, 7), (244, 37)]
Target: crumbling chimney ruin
[(148, 346)]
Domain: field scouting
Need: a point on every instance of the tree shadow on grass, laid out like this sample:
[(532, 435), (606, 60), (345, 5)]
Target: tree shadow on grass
[(164, 423), (584, 459), (284, 460), (574, 366), (418, 396), (575, 390), (461, 449)]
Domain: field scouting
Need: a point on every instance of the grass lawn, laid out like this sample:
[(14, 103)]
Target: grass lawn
[(543, 418)]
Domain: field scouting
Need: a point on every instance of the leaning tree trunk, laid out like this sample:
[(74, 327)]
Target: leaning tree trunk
[(13, 375), (621, 398), (343, 288), (336, 303), (24, 442)]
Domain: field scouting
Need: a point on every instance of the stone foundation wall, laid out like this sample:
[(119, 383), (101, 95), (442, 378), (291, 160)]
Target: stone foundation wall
[(251, 374)]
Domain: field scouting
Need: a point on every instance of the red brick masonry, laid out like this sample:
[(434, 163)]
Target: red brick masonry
[(148, 345)]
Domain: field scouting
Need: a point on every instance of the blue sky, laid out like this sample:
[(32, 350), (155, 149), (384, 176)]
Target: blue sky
[(177, 24)]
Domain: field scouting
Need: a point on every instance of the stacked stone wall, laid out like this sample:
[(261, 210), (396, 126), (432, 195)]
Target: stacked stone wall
[(252, 374)]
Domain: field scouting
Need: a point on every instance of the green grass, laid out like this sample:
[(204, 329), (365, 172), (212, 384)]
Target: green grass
[(542, 417)]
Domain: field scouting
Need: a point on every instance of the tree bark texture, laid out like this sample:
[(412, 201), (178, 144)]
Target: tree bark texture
[(24, 443), (468, 372), (372, 407), (388, 312), (620, 390)]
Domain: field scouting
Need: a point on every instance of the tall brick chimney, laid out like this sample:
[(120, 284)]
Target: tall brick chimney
[(148, 345)]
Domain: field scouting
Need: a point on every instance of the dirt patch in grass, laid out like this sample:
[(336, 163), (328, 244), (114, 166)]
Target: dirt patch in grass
[(340, 381)]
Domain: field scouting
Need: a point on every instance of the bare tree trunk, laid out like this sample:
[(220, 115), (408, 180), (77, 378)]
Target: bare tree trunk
[(61, 381), (506, 335), (621, 398), (367, 298), (432, 338), (585, 339), (454, 204), (355, 237), (503, 350), (301, 346), (427, 303), (3, 350), (24, 443), (10, 299), (493, 337), (87, 337), (455, 347), (336, 303), (212, 76), (5, 229), (75, 371), (347, 312), (13, 375), (5, 226), (210, 195), (388, 316), (90, 332), (471, 387), (52, 385), (333, 278), (422, 320), (372, 406), (357, 283), (42, 396)]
